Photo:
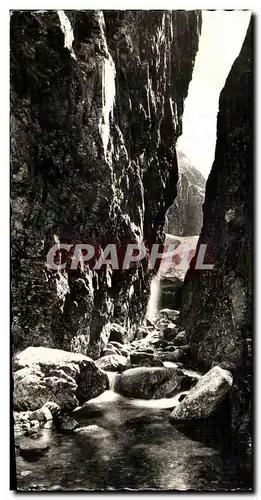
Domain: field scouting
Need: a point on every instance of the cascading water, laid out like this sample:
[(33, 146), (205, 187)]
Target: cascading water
[(119, 444), (153, 303)]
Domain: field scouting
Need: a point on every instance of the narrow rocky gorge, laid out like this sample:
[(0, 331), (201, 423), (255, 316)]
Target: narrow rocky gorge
[(97, 99), (96, 107)]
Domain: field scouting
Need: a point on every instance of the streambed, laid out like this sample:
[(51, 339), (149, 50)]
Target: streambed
[(132, 445)]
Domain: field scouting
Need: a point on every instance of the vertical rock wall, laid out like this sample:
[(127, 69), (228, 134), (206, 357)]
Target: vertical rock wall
[(217, 304), (184, 217), (96, 105)]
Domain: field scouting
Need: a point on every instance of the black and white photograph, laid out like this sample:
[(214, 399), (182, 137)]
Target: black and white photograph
[(132, 184)]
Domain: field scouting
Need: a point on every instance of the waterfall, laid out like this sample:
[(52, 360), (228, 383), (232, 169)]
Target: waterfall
[(112, 376), (67, 31), (153, 303)]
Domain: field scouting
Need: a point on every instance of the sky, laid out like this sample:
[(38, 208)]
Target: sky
[(221, 39)]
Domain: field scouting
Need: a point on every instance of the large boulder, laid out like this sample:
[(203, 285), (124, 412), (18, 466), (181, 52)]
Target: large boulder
[(65, 423), (205, 397), (43, 374), (112, 363), (30, 448), (152, 383), (122, 349)]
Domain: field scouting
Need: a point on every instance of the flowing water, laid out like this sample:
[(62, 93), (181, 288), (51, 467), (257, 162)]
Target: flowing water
[(153, 303), (131, 445)]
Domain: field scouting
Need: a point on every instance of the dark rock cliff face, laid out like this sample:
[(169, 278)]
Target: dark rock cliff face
[(96, 110), (217, 304), (184, 217)]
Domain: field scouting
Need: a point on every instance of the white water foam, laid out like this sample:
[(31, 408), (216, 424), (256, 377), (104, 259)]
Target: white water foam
[(153, 303), (111, 396)]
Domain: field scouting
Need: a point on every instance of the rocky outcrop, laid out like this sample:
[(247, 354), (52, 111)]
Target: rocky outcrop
[(112, 363), (152, 383), (96, 104), (205, 397), (184, 217), (217, 304), (67, 379)]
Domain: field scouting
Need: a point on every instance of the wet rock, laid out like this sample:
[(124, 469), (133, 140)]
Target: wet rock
[(34, 424), (117, 348), (25, 473), (93, 430), (53, 407), (125, 352), (180, 339), (32, 389), (170, 314), (35, 444), (204, 398), (118, 345), (111, 351), (43, 374), (30, 448), (169, 348), (48, 424), (91, 383), (88, 429), (138, 356), (113, 363), (145, 350), (162, 323), (155, 361), (142, 345), (161, 343), (143, 358), (177, 355), (66, 424), (151, 383), (143, 332), (42, 415), (22, 422), (170, 332)]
